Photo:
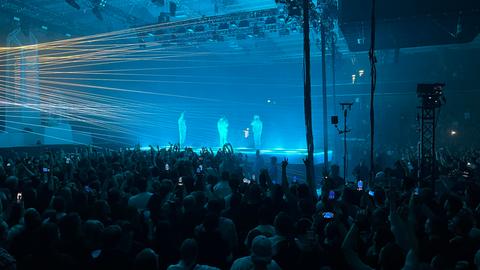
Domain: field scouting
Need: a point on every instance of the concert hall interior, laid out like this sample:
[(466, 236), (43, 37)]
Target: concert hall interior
[(280, 129)]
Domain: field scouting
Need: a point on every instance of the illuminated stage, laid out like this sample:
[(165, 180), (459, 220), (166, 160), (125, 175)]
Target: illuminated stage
[(295, 156)]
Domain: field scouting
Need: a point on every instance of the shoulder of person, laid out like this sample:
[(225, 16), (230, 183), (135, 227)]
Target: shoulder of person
[(205, 267), (273, 266), (243, 263)]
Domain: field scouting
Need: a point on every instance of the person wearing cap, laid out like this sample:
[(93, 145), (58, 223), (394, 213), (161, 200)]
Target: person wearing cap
[(260, 256)]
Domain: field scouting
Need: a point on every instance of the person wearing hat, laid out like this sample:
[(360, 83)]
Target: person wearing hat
[(260, 256)]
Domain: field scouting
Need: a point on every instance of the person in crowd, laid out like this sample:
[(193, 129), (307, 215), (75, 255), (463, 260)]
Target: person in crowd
[(188, 257), (140, 200), (182, 129), (222, 126), (257, 128), (260, 256)]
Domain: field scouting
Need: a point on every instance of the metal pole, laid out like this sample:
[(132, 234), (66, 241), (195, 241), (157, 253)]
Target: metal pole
[(309, 163), (324, 99), (334, 94), (345, 144)]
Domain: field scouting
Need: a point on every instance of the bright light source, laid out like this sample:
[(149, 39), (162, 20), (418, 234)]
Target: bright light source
[(361, 72), (269, 101), (354, 78), (453, 132)]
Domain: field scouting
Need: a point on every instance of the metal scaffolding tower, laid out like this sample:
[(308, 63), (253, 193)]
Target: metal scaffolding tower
[(431, 98)]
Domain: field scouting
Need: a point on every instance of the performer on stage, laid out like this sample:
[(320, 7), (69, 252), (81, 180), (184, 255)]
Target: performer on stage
[(182, 129), (222, 126), (257, 126)]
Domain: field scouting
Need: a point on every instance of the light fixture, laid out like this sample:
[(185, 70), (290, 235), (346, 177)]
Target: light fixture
[(73, 3), (453, 132)]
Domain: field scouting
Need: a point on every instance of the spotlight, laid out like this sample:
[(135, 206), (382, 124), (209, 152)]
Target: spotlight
[(361, 72), (453, 132), (73, 3)]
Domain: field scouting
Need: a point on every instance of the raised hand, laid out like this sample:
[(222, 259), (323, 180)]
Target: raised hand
[(284, 163)]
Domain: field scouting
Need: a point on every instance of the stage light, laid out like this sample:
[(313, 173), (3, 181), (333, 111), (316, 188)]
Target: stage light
[(361, 72), (223, 26), (243, 24), (453, 132), (73, 3), (270, 20)]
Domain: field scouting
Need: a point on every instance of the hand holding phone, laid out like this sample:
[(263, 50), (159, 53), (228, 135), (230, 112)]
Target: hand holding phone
[(331, 195), (328, 215), (19, 197), (360, 185)]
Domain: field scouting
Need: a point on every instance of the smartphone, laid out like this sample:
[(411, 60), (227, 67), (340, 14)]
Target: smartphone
[(8, 164), (200, 167), (88, 189), (167, 167), (331, 195), (46, 170), (360, 185), (19, 197), (328, 215), (371, 193), (180, 181), (246, 181)]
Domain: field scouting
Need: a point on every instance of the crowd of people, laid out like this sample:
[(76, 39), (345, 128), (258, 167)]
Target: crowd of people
[(176, 209)]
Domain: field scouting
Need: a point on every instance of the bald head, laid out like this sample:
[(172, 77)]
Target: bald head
[(146, 259)]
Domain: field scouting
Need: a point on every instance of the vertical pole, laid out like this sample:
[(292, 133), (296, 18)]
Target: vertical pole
[(324, 99), (434, 154), (334, 95), (345, 144), (309, 163)]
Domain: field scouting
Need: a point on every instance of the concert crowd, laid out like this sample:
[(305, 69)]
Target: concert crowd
[(175, 209)]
